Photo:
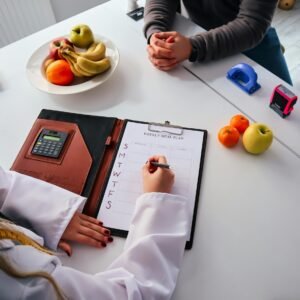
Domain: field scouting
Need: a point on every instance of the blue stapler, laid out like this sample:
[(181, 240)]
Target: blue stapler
[(244, 76)]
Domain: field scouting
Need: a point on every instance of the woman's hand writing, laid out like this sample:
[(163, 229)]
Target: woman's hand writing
[(157, 179)]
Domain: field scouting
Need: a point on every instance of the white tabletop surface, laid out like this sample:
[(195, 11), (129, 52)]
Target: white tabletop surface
[(255, 106), (247, 239)]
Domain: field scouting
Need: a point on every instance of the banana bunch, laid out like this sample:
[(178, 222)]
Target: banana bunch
[(95, 52), (88, 63)]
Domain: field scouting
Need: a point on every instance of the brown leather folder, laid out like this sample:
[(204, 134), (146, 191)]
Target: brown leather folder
[(85, 157)]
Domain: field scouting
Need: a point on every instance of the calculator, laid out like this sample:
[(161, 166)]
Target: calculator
[(49, 143)]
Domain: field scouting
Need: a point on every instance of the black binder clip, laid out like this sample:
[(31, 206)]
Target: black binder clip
[(165, 128)]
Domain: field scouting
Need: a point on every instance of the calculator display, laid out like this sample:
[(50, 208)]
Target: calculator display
[(49, 143), (51, 138)]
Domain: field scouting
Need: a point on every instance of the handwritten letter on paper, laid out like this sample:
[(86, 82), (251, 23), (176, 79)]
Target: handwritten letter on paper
[(183, 153)]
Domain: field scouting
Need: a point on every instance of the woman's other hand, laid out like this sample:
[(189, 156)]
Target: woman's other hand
[(85, 230)]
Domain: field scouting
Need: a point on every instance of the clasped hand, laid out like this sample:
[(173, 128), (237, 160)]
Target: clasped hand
[(167, 49)]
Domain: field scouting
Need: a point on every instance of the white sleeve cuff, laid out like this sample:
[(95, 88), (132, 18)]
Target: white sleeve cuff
[(45, 208)]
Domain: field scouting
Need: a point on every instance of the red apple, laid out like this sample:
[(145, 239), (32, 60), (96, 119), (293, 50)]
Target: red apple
[(55, 46)]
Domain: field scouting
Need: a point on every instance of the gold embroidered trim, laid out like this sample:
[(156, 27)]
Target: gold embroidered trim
[(7, 234)]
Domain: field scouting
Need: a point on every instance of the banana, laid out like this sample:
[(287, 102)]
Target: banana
[(83, 72), (92, 47), (82, 66), (94, 67), (74, 70), (71, 57), (74, 56), (72, 63), (96, 53)]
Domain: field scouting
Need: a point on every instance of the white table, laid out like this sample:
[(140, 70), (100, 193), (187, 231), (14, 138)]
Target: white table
[(247, 239), (255, 106)]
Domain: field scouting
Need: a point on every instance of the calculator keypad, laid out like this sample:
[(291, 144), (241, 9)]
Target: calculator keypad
[(47, 148)]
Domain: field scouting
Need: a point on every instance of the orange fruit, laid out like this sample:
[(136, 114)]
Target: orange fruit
[(240, 122), (59, 72), (228, 136)]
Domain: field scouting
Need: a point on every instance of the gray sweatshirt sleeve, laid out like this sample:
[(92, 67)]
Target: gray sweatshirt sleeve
[(159, 16), (244, 32)]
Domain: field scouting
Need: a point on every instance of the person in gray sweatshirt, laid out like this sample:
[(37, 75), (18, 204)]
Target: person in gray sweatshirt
[(232, 26)]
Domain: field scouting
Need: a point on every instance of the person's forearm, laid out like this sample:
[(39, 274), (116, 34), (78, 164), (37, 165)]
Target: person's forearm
[(155, 244), (43, 207), (149, 265), (243, 33), (159, 15)]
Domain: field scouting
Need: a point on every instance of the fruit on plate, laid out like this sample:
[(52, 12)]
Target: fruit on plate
[(55, 45), (59, 72), (95, 52), (257, 138), (81, 36), (84, 67), (228, 136), (47, 62), (240, 122)]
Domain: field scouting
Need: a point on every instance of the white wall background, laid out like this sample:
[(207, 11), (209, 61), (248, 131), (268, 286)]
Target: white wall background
[(64, 9), (20, 18)]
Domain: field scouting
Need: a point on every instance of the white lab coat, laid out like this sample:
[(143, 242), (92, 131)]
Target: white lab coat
[(147, 269)]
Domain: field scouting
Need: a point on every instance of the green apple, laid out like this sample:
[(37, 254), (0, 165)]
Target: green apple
[(81, 36), (257, 138)]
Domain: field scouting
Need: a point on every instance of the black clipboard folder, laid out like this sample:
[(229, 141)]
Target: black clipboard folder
[(86, 160)]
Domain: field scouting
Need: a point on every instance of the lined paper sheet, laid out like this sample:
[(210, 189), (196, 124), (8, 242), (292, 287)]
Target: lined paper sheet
[(183, 153)]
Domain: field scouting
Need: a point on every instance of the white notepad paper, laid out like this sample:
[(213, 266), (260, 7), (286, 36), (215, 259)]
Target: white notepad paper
[(182, 148)]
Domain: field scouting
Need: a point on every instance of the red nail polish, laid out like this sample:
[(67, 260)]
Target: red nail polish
[(110, 239), (107, 232), (103, 244)]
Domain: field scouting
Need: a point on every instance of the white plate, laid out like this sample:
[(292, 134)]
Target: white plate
[(37, 77)]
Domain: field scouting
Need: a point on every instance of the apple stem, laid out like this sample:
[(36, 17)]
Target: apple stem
[(263, 131)]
